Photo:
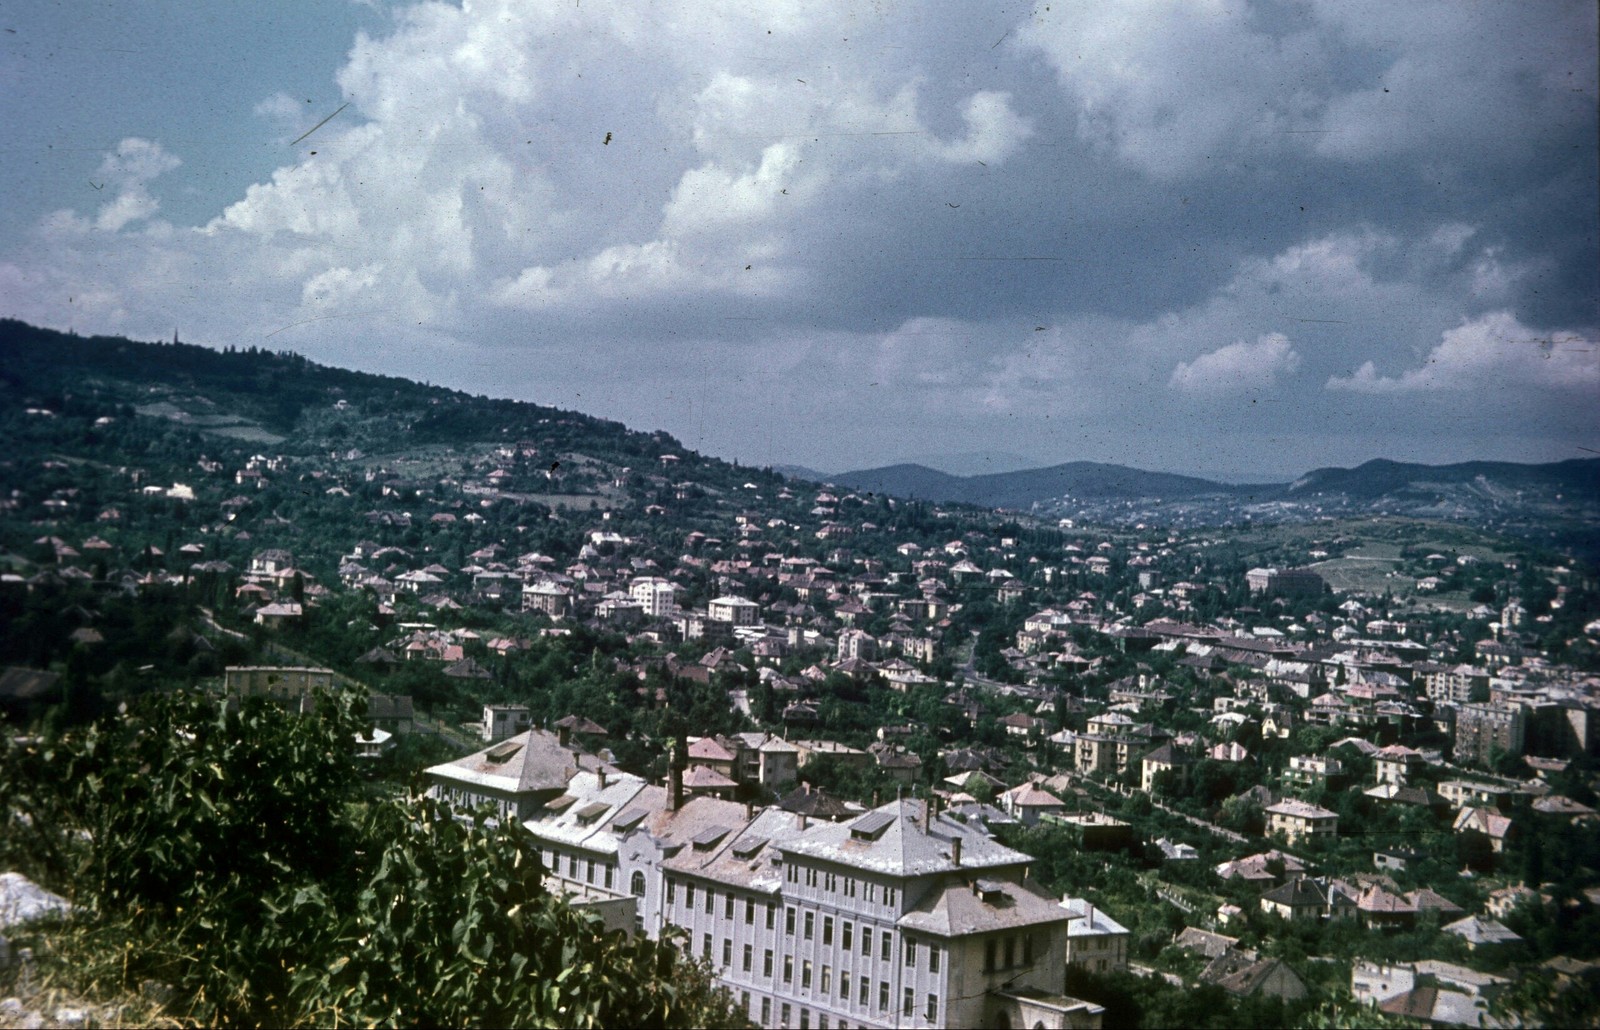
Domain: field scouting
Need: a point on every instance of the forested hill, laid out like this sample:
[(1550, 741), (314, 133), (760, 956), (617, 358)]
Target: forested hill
[(231, 392)]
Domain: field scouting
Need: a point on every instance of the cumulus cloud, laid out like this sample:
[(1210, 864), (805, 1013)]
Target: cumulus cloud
[(1237, 367), (127, 172), (1492, 353), (1016, 220)]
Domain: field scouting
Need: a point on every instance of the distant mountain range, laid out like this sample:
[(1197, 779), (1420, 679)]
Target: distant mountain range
[(1469, 489)]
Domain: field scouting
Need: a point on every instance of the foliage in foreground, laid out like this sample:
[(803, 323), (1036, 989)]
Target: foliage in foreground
[(224, 853)]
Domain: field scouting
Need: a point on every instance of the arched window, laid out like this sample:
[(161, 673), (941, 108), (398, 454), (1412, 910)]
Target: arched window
[(637, 884)]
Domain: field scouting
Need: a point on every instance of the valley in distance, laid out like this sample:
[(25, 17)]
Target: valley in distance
[(335, 697)]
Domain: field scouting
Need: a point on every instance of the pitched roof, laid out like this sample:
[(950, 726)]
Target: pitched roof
[(529, 762), (957, 908), (890, 839)]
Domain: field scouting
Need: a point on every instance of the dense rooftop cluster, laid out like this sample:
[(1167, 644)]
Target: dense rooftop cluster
[(1374, 726)]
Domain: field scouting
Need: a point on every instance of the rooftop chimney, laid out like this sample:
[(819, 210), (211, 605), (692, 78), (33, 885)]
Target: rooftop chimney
[(955, 850), (676, 758), (602, 774)]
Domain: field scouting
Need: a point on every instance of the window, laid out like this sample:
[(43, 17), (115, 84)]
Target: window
[(811, 924), (788, 969), (572, 867), (784, 1011), (827, 980), (805, 1019), (749, 911), (889, 896), (811, 877), (866, 940), (788, 920), (637, 884), (827, 929), (911, 953), (766, 1011), (933, 959), (688, 896), (744, 1000), (588, 873), (766, 963), (844, 984), (866, 985), (611, 874), (749, 953), (727, 953), (883, 996), (727, 907), (845, 935), (792, 874), (710, 899), (770, 915), (705, 946), (931, 1015), (805, 975), (988, 956), (829, 882), (672, 888), (849, 886), (908, 1002), (886, 945), (872, 891)]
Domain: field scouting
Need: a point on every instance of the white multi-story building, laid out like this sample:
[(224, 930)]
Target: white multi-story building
[(656, 596), (737, 610), (896, 918)]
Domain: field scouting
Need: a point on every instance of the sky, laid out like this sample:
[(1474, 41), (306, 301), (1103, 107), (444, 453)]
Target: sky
[(1235, 239)]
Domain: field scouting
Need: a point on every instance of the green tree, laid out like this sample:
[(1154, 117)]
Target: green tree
[(226, 851)]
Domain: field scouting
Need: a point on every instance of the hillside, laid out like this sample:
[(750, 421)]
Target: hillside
[(404, 431)]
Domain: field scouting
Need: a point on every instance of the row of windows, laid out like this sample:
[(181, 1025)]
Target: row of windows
[(821, 978), (594, 873), (1003, 953), (786, 1011), (831, 883)]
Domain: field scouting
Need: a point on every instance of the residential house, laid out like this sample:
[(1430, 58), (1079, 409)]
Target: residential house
[(502, 721), (1298, 820), (1244, 974), (1029, 803), (1301, 899), (1096, 943), (1166, 758), (1481, 933)]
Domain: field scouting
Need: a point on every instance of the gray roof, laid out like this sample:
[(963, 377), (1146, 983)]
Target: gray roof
[(956, 908), (530, 762), (899, 846)]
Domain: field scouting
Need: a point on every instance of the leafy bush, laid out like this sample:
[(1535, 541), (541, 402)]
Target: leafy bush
[(223, 851)]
